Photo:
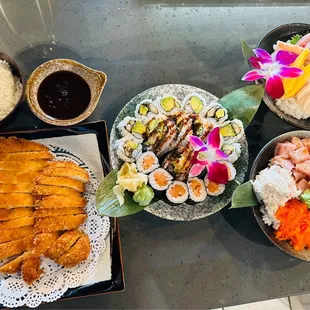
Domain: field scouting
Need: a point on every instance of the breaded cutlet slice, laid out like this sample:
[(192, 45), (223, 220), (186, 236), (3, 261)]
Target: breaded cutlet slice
[(47, 190), (14, 144), (16, 200), (26, 188), (30, 269), (58, 223), (14, 265), (23, 165), (60, 201), (16, 223), (11, 214), (58, 211), (65, 164), (15, 233), (36, 155), (63, 244), (77, 253), (13, 177), (66, 172), (60, 181), (15, 247)]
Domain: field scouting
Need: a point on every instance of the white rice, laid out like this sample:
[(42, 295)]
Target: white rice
[(10, 89), (274, 186), (291, 107)]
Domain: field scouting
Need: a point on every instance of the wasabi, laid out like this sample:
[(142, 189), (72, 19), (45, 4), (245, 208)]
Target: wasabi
[(144, 196)]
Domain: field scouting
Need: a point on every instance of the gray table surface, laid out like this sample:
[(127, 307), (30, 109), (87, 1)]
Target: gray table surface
[(219, 261)]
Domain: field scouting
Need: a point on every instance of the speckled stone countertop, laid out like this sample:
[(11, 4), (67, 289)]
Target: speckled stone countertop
[(219, 261)]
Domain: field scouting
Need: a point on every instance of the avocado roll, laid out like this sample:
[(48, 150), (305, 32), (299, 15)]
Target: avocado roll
[(216, 113), (213, 189), (168, 104), (128, 148), (147, 162), (233, 151), (197, 190), (145, 110), (160, 179), (232, 131), (131, 126), (177, 192), (194, 104)]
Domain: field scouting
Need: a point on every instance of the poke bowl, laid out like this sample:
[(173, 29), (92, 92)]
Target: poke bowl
[(280, 177), (163, 124), (294, 106)]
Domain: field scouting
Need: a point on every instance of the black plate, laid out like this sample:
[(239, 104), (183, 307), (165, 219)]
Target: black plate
[(283, 33), (260, 163), (117, 283)]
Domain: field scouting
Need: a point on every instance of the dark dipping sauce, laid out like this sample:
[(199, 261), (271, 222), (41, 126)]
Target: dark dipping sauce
[(64, 95)]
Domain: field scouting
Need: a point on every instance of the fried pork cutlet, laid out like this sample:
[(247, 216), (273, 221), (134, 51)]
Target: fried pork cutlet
[(13, 145), (18, 246), (14, 265), (36, 155), (63, 244), (16, 200), (26, 188), (16, 223), (15, 213), (58, 211), (60, 181), (78, 253), (15, 233), (60, 201), (47, 190), (66, 172), (18, 177), (23, 165), (58, 223), (31, 269), (65, 164)]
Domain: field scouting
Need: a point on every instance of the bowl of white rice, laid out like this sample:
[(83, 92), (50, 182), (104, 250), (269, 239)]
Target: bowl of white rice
[(11, 87)]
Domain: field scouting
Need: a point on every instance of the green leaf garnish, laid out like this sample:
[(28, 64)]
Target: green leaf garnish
[(244, 196), (107, 203), (305, 197), (244, 102), (295, 38), (246, 51)]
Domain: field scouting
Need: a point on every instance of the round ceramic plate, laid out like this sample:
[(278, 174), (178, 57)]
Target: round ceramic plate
[(184, 211), (260, 163), (283, 33)]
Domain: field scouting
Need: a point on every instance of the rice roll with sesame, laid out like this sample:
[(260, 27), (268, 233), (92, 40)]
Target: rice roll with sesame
[(160, 179), (216, 113), (168, 104), (194, 104), (177, 192), (233, 151), (131, 126), (230, 169), (197, 190), (147, 162), (213, 189), (128, 149), (145, 110), (232, 131)]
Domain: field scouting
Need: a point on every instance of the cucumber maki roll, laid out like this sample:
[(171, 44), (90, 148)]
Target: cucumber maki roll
[(177, 192), (197, 190), (233, 151), (131, 126), (168, 104), (216, 113), (145, 110), (128, 148), (147, 162), (194, 104), (232, 131)]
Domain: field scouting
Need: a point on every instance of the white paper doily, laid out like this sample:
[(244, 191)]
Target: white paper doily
[(14, 292)]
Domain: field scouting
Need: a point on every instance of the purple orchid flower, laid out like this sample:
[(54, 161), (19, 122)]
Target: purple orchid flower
[(272, 68), (207, 156)]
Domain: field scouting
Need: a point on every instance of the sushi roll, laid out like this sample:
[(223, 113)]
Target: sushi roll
[(232, 131), (230, 169), (216, 113), (233, 151), (214, 189), (128, 148), (145, 110), (160, 179), (194, 104), (177, 192), (168, 104), (197, 190), (131, 126), (147, 162), (200, 126)]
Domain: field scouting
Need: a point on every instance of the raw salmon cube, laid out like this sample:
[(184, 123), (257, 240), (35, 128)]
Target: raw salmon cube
[(282, 162), (284, 149), (303, 185), (304, 168), (297, 175), (297, 142), (306, 143), (299, 156)]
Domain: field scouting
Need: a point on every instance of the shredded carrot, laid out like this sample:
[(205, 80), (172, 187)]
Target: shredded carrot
[(294, 227)]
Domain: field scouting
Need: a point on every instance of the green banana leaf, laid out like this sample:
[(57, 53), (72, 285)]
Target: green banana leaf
[(244, 196), (107, 203)]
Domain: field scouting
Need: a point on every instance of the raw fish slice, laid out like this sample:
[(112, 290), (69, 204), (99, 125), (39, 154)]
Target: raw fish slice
[(284, 149), (304, 168), (306, 143), (299, 156), (302, 185), (297, 175), (282, 162), (296, 141)]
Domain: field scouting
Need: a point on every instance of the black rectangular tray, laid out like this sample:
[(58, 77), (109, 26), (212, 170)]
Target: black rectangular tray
[(117, 283)]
